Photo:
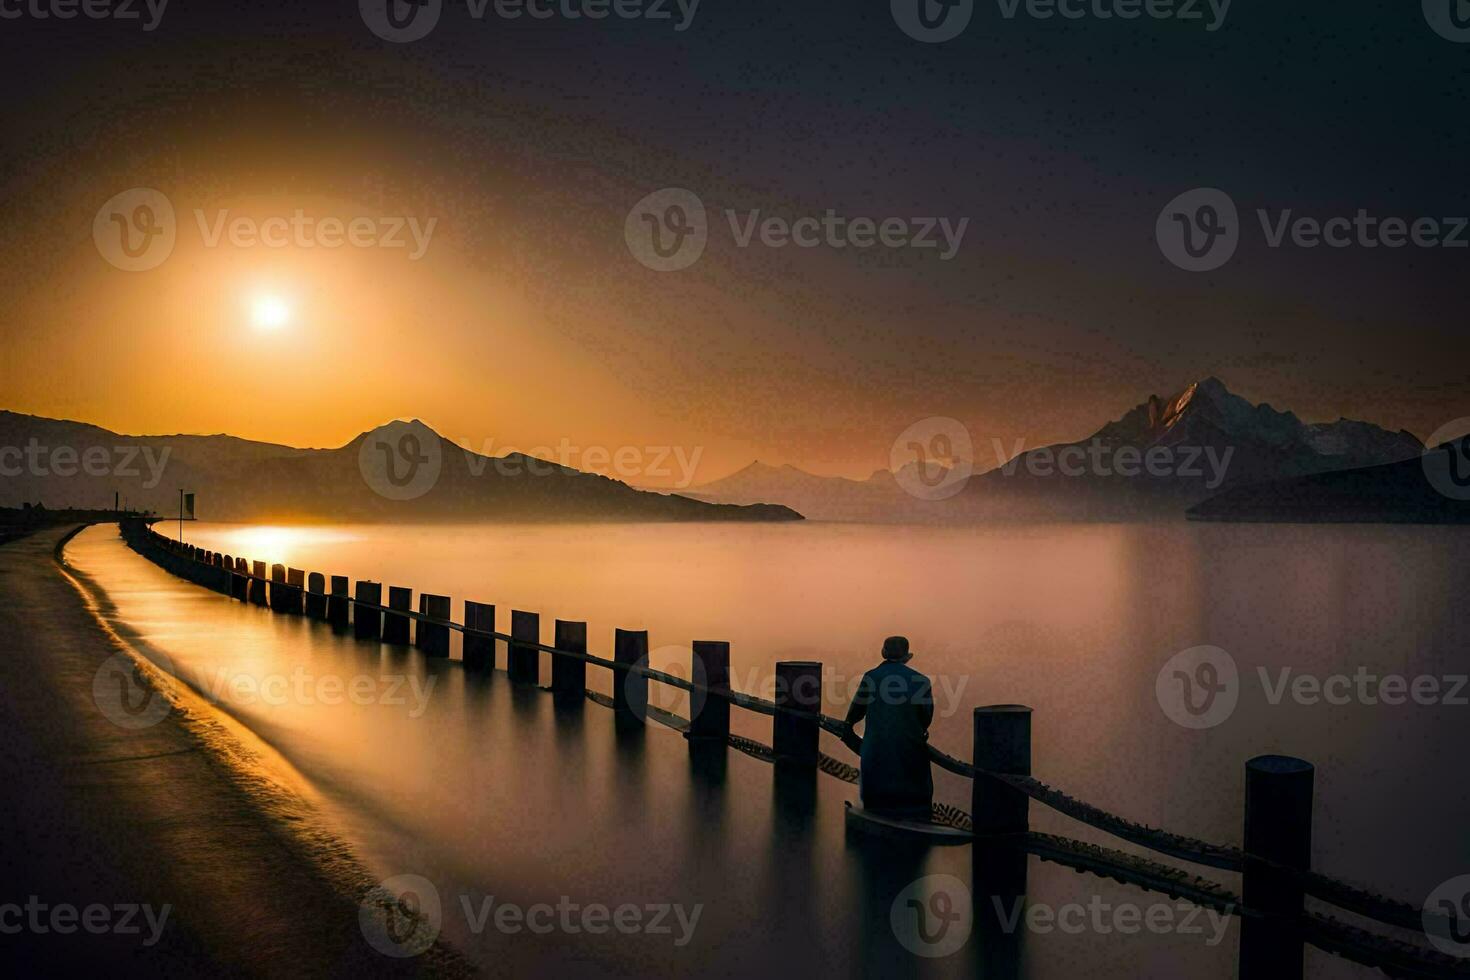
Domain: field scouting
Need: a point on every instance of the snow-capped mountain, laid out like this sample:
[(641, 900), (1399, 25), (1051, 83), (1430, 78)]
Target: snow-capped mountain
[(1167, 454)]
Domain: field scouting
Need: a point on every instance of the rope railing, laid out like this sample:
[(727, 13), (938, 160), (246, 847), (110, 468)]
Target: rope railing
[(1346, 896), (1395, 956)]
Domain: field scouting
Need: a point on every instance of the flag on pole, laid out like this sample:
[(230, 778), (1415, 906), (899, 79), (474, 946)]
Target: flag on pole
[(188, 507)]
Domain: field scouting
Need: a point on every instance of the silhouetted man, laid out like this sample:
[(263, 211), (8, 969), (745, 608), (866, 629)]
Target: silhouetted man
[(898, 704)]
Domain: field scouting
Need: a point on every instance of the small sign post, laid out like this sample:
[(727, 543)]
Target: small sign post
[(186, 507)]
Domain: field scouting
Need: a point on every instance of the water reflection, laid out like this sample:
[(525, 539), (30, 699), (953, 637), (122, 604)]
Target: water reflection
[(495, 788)]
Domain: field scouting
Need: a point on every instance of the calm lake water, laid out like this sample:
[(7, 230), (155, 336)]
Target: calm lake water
[(486, 789)]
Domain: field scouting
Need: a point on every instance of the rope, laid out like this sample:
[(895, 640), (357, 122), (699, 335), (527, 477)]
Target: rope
[(1224, 857)]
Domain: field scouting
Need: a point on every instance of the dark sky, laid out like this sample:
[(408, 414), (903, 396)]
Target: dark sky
[(1059, 140)]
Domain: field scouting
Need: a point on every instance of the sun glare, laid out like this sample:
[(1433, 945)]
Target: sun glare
[(270, 313)]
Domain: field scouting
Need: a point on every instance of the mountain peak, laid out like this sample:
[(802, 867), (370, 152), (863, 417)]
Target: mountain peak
[(400, 426)]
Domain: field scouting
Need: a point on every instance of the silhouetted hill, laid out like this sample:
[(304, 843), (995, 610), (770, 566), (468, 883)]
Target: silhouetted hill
[(399, 471), (1432, 489)]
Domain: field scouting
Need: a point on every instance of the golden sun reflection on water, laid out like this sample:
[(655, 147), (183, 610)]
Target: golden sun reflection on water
[(274, 544)]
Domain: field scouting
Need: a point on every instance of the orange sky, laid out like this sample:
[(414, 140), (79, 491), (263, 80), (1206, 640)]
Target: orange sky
[(497, 352)]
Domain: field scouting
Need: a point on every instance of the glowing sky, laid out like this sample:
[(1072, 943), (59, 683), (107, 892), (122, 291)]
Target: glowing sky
[(525, 321)]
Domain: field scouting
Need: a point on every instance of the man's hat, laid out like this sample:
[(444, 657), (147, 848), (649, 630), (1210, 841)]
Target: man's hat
[(896, 648)]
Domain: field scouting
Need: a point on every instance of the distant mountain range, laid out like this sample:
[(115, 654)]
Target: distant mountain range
[(1158, 460), (1161, 459), (1167, 455), (400, 471), (829, 498)]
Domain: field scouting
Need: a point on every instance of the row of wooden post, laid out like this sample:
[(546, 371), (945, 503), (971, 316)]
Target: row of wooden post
[(1278, 789)]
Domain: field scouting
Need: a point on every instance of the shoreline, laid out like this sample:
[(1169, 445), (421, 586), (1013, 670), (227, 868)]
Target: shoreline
[(179, 814)]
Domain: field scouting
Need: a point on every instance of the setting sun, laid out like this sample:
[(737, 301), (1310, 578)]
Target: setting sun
[(269, 313)]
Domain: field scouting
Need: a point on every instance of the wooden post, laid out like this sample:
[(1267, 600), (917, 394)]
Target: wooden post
[(709, 715), (630, 690), (1278, 828), (242, 581), (278, 587), (524, 663), (295, 590), (395, 627), (569, 676), (257, 584), (798, 686), (479, 651), (433, 638), (337, 605), (367, 624), (1002, 745), (316, 595)]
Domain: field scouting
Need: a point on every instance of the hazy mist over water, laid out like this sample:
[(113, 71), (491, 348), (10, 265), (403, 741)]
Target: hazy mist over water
[(1076, 621)]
